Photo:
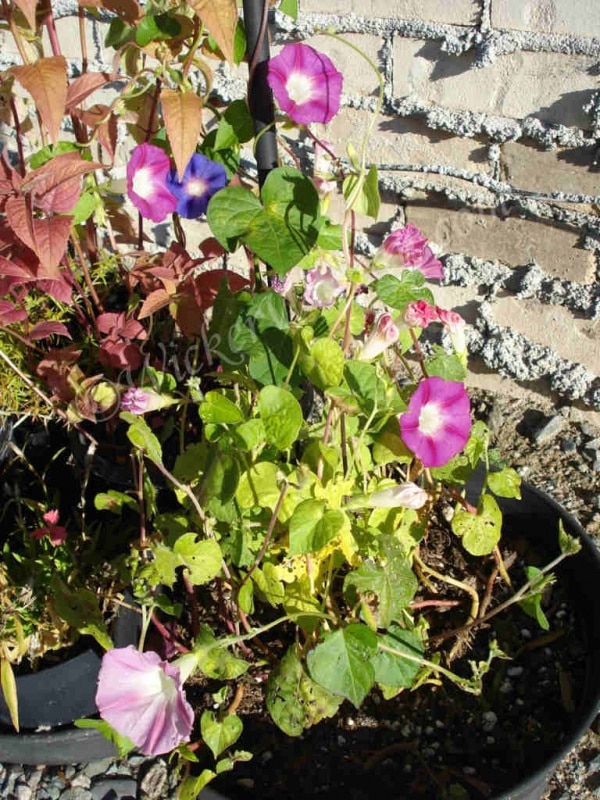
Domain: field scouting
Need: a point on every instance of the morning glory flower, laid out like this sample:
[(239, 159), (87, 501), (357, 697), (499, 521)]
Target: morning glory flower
[(305, 83), (419, 314), (147, 182), (455, 325), (141, 401), (385, 333), (322, 287), (202, 178), (142, 697), (437, 424), (55, 532), (407, 248), (403, 495)]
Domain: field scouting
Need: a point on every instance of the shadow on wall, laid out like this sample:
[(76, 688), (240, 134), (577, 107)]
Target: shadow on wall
[(568, 110)]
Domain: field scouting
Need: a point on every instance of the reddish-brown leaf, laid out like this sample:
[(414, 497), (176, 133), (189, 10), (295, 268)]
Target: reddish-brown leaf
[(84, 86), (9, 313), (45, 329), (182, 113), (104, 125), (220, 17), (154, 302), (46, 82), (46, 237), (56, 185), (28, 9)]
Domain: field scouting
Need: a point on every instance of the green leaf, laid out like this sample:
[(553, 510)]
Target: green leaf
[(230, 214), (294, 700), (8, 685), (225, 137), (214, 660), (122, 743), (268, 584), (281, 415), (218, 735), (366, 385), (238, 116), (392, 669), (79, 608), (480, 532), (398, 293), (289, 7), (201, 558), (342, 662), (218, 409), (505, 483), (394, 585), (118, 34), (190, 465), (532, 604), (445, 365), (330, 236), (323, 364), (568, 544), (190, 788), (140, 435), (313, 525), (368, 200), (228, 763), (155, 28), (113, 501), (259, 486), (269, 310), (249, 434)]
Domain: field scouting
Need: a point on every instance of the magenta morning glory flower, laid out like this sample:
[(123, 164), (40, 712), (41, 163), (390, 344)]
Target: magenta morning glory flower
[(419, 314), (305, 83), (147, 182), (142, 697), (55, 532), (141, 401), (322, 287), (407, 248), (437, 424), (202, 178)]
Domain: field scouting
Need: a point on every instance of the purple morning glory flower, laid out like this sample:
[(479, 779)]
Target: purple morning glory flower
[(142, 697), (305, 83), (201, 179), (407, 248), (322, 287), (438, 422), (147, 182)]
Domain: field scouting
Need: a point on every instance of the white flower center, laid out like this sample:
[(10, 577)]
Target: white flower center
[(157, 683), (196, 187), (143, 182), (300, 88), (430, 419)]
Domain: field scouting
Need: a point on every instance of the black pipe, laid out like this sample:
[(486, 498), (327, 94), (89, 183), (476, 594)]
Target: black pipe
[(260, 96)]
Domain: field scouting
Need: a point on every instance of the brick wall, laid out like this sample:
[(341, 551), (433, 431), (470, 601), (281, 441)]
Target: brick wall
[(487, 141)]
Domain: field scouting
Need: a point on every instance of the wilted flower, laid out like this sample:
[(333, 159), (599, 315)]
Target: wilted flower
[(305, 83), (437, 424), (284, 286), (419, 314), (323, 176), (385, 333), (407, 248), (455, 325), (403, 495), (201, 179), (147, 182), (141, 401), (322, 287), (56, 533), (142, 697)]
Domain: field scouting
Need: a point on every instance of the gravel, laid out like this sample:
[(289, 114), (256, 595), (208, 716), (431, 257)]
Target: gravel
[(552, 451)]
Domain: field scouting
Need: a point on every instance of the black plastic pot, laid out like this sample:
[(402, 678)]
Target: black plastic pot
[(51, 699)]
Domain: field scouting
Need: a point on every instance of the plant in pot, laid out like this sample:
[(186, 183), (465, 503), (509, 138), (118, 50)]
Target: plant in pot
[(279, 464)]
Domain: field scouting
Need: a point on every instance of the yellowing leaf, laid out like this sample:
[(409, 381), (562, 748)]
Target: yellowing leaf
[(182, 112), (46, 82), (220, 17), (28, 9), (9, 690)]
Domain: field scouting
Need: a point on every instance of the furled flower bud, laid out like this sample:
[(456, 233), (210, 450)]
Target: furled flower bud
[(385, 333)]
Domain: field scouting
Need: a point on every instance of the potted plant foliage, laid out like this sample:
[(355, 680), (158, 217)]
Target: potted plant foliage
[(269, 466)]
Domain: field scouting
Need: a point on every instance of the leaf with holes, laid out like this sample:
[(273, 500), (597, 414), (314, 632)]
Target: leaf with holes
[(341, 663)]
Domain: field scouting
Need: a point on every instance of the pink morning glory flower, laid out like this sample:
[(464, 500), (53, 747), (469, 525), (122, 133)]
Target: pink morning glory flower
[(403, 495), (147, 182), (455, 325), (141, 401), (322, 287), (419, 314), (142, 697), (407, 248), (202, 178), (384, 334), (305, 83), (55, 532), (437, 424)]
